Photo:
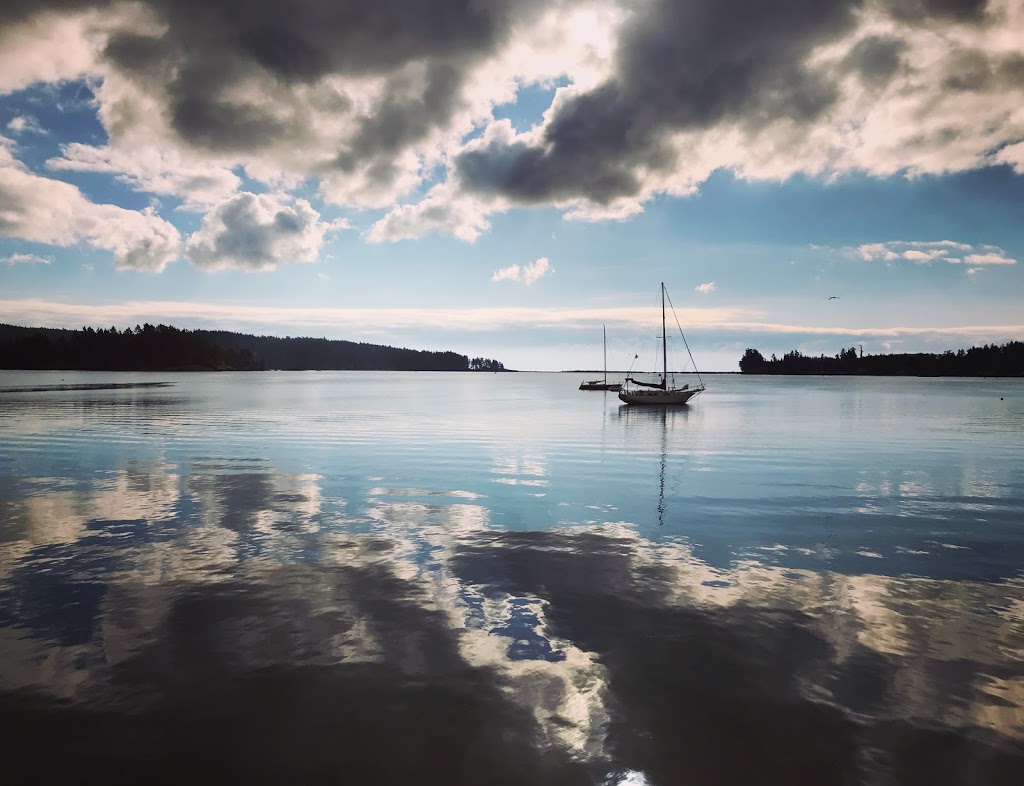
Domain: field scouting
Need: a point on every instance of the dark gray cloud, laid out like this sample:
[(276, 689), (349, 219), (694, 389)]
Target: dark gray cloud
[(876, 58), (594, 168), (223, 125), (209, 48), (300, 40), (681, 66), (12, 11), (948, 10), (970, 70), (399, 121)]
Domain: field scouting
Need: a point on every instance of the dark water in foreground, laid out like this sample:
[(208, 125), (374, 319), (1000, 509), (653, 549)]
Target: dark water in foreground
[(497, 579)]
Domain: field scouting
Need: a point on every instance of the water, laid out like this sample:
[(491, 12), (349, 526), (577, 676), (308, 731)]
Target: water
[(497, 579)]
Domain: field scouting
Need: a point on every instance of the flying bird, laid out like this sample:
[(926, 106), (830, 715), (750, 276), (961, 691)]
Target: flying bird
[(834, 297)]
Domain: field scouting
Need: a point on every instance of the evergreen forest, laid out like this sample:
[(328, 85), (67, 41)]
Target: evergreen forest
[(990, 360), (166, 348)]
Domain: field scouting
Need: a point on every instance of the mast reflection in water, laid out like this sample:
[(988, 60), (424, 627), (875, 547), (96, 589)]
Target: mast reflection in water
[(299, 582)]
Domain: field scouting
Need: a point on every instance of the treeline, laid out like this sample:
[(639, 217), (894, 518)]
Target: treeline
[(161, 348), (142, 348), (321, 354), (990, 360), (485, 364)]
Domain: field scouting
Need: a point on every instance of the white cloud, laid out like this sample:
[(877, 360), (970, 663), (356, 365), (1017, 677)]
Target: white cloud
[(510, 273), (921, 256), (154, 169), (1012, 155), (705, 288), (25, 124), (526, 274), (25, 259), (259, 232), (870, 251), (991, 258), (440, 211), (49, 47), (48, 211), (535, 270), (943, 244), (923, 251)]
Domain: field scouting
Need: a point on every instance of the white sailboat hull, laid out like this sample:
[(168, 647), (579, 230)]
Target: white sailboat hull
[(658, 397)]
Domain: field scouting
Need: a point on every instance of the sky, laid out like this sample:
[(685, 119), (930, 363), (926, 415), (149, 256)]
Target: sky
[(503, 177)]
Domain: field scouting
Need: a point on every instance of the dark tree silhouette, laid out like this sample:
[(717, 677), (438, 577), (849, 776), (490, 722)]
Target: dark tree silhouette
[(321, 354), (990, 360), (485, 364), (146, 348), (161, 347), (752, 362)]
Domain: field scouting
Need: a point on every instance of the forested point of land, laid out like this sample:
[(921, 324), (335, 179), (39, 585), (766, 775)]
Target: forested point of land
[(166, 348), (990, 360)]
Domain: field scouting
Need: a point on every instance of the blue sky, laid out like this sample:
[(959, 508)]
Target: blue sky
[(503, 179)]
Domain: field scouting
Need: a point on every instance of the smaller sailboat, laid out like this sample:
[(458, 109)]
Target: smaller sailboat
[(659, 393), (602, 384)]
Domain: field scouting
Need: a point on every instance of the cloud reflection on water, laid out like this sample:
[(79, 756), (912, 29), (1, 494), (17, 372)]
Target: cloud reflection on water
[(247, 618)]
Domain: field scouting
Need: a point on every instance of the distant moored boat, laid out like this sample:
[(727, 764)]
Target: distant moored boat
[(599, 384)]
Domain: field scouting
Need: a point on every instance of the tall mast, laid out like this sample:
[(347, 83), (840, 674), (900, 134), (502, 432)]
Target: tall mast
[(604, 335), (664, 341)]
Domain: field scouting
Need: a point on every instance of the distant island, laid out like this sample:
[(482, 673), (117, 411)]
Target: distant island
[(1006, 360), (166, 348)]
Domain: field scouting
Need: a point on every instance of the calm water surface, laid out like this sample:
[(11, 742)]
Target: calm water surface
[(396, 578)]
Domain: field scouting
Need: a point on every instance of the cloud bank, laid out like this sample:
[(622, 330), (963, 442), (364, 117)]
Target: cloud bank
[(49, 211), (738, 321), (923, 252), (389, 106)]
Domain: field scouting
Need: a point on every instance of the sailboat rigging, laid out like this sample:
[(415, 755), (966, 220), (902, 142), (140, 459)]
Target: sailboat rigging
[(598, 384), (660, 393)]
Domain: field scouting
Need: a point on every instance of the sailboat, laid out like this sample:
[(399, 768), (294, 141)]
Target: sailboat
[(599, 384), (659, 393)]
